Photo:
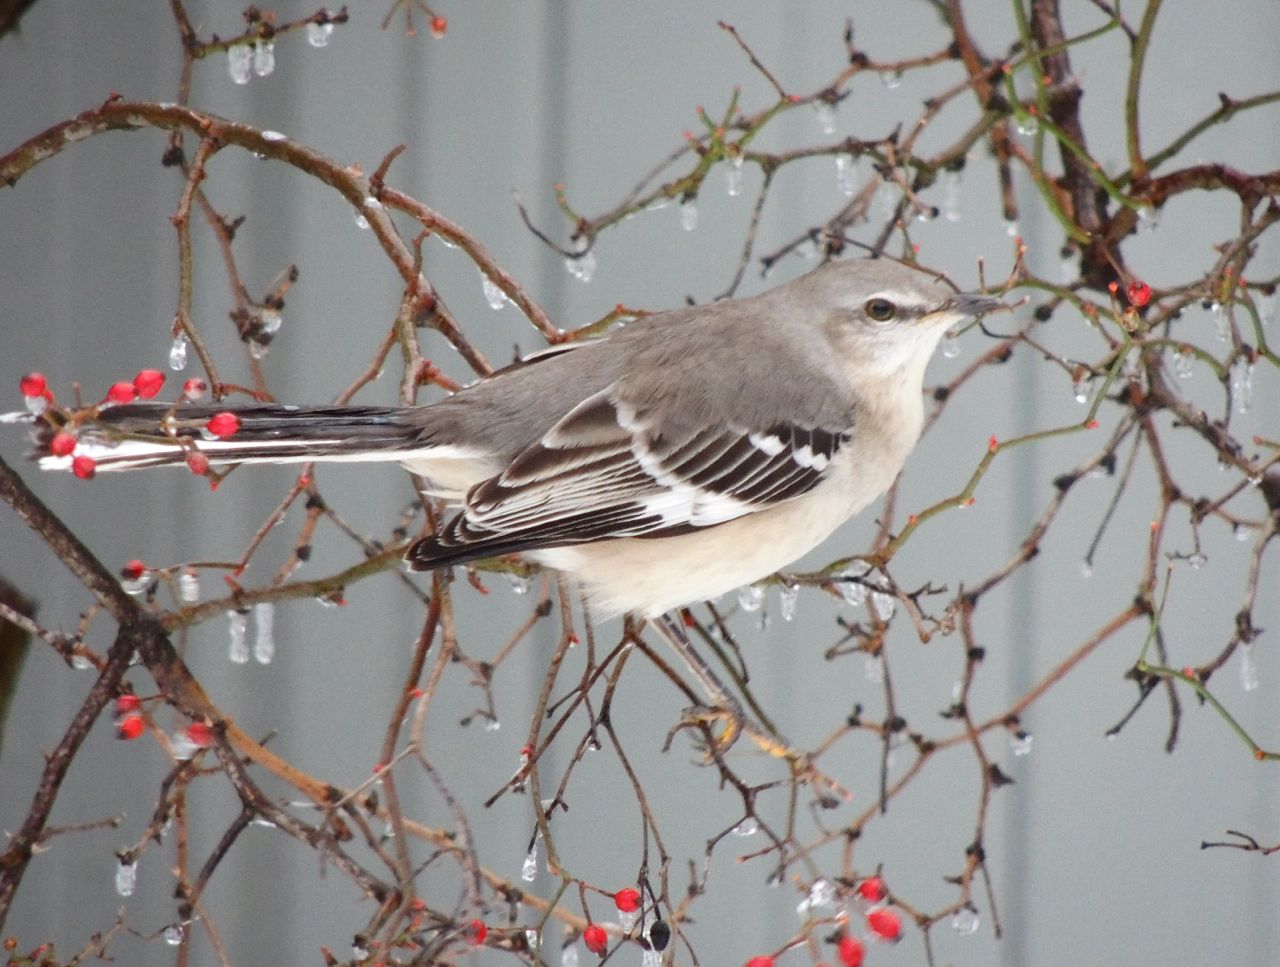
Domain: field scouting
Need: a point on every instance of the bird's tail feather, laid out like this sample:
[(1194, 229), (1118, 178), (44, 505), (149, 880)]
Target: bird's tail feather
[(138, 435)]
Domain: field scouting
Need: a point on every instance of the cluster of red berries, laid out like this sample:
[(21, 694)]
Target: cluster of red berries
[(144, 386), (883, 924)]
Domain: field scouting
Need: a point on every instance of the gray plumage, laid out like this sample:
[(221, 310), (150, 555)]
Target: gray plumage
[(683, 455)]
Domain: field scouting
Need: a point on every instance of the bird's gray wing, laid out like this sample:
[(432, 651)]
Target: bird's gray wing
[(611, 468)]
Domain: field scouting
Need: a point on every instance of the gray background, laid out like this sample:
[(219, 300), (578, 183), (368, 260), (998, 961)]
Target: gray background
[(1094, 852)]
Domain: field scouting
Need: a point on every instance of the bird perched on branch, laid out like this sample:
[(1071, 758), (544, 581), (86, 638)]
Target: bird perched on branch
[(683, 455)]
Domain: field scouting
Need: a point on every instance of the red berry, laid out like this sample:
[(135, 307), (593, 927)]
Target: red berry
[(628, 900), (130, 727), (851, 951), (761, 961), (194, 388), (884, 923), (438, 26), (148, 383), (872, 889), (121, 393), (62, 444), (1139, 293), (200, 734), (476, 932), (34, 384), (223, 425), (84, 467), (198, 463), (133, 570), (127, 704), (595, 938)]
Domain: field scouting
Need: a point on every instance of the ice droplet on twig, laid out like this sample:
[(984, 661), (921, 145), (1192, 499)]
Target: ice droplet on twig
[(264, 642), (883, 604), (583, 265), (965, 922), (1020, 743), (846, 174), (1011, 228), (891, 79), (80, 662), (237, 626), (689, 214), (748, 827), (733, 177), (787, 597), (520, 583), (126, 877), (178, 353), (825, 112), (1242, 532), (1248, 668), (529, 868), (264, 57), (174, 934), (1197, 560), (492, 293), (569, 955), (1184, 364), (853, 591), (318, 34), (240, 63), (651, 958), (821, 894), (950, 347), (951, 196), (750, 597), (1027, 124), (1266, 308)]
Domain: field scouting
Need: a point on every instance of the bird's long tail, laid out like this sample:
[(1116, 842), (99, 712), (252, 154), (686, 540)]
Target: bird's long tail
[(138, 435)]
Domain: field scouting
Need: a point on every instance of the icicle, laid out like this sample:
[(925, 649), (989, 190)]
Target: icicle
[(651, 958), (529, 869), (240, 63), (492, 293), (1197, 561), (264, 643), (951, 195), (1020, 743), (787, 596), (1266, 308), (264, 57), (569, 956), (582, 266), (748, 827), (886, 200), (821, 894), (826, 115), (847, 174), (1221, 323), (1242, 384), (178, 353), (733, 177), (750, 597), (950, 347), (126, 877), (1080, 391), (689, 214), (492, 724), (318, 34), (237, 622), (1011, 228), (965, 922), (873, 669), (1248, 668)]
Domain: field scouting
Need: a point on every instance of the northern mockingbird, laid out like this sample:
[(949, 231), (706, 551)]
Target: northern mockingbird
[(681, 456)]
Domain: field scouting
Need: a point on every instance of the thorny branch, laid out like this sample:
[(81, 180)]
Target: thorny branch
[(1127, 363)]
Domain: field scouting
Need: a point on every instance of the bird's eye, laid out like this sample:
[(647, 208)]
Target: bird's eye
[(881, 310)]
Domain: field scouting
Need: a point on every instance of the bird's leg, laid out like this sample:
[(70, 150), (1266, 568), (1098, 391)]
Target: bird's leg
[(718, 696)]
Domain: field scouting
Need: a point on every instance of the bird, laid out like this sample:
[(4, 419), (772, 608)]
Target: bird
[(680, 456)]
